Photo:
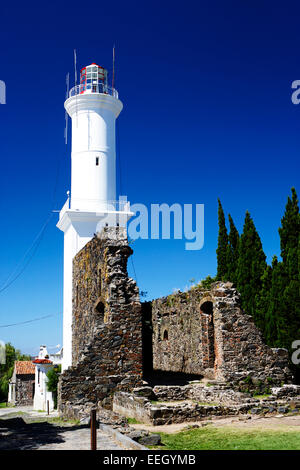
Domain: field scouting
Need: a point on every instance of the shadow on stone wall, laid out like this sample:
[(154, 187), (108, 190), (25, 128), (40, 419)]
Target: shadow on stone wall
[(161, 377)]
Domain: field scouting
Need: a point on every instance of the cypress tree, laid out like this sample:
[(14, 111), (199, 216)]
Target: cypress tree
[(290, 227), (251, 266), (262, 302), (232, 251), (277, 328), (222, 245), (289, 233)]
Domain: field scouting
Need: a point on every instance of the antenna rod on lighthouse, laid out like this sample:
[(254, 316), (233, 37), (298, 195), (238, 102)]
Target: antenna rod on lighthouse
[(75, 73), (113, 74), (75, 66), (66, 114)]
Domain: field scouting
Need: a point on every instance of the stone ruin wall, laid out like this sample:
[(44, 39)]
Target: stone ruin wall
[(182, 339), (24, 389), (206, 333), (201, 332), (106, 326)]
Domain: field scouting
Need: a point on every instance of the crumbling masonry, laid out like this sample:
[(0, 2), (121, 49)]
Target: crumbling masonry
[(202, 332), (107, 326), (205, 332)]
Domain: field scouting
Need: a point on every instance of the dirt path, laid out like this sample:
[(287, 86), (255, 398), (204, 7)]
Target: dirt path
[(27, 411), (277, 423)]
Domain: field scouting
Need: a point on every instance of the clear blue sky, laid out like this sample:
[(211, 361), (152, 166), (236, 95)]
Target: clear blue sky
[(206, 88)]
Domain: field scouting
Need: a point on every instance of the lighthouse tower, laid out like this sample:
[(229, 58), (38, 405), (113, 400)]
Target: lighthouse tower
[(93, 107)]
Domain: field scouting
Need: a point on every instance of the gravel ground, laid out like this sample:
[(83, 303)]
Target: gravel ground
[(276, 423)]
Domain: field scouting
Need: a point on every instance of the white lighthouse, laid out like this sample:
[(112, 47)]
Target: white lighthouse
[(93, 107)]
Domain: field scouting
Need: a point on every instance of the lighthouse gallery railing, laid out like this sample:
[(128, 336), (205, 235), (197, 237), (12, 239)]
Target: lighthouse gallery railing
[(93, 88), (100, 206)]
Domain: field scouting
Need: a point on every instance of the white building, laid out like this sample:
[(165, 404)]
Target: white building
[(57, 357), (42, 396), (93, 107)]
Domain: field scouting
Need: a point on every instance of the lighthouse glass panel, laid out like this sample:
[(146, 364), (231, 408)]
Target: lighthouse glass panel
[(93, 79)]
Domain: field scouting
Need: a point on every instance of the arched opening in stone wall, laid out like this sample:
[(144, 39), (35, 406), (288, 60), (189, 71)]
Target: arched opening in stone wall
[(207, 307), (99, 307), (166, 335), (208, 334)]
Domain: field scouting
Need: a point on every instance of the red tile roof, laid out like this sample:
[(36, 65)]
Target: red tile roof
[(42, 361), (24, 367)]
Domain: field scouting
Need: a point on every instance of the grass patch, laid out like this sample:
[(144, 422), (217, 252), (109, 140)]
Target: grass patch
[(231, 439), (56, 421), (6, 405), (261, 397), (133, 421), (207, 404)]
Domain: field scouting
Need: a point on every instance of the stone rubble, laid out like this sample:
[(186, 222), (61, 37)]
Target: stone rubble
[(166, 410)]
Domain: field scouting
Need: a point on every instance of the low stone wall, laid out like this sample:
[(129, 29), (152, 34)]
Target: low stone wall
[(219, 393), (170, 392), (286, 391), (142, 409), (132, 406)]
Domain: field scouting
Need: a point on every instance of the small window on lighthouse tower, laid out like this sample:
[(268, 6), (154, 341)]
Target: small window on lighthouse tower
[(97, 161)]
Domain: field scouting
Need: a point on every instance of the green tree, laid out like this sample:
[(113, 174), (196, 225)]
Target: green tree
[(277, 328), (6, 370), (290, 227), (251, 266), (262, 302), (222, 245), (232, 251), (289, 233), (52, 382)]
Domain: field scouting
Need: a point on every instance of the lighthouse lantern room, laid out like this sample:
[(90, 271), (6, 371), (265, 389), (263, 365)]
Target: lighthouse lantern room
[(93, 78), (93, 107)]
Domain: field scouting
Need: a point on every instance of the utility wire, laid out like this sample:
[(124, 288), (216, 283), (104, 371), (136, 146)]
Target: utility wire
[(36, 242), (134, 270), (13, 277), (29, 321)]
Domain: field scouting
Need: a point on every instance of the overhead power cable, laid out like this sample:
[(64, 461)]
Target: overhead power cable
[(134, 270), (29, 321), (19, 269)]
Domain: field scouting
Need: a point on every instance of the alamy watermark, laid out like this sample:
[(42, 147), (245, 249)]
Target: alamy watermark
[(160, 221), (296, 354), (188, 223), (2, 352), (2, 92)]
